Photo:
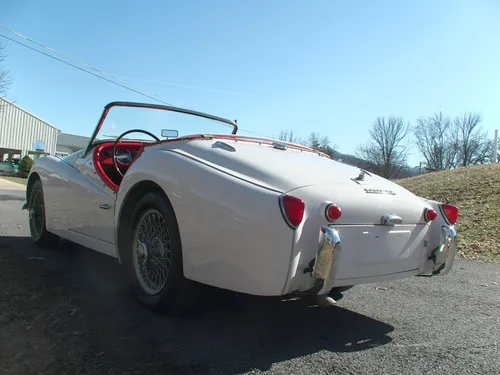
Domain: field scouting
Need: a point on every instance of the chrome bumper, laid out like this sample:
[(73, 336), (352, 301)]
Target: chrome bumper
[(443, 256), (326, 262)]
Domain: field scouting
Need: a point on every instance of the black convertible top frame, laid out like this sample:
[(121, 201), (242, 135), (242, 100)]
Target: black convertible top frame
[(105, 112)]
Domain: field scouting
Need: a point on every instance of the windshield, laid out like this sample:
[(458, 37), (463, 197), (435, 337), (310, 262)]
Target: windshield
[(163, 122)]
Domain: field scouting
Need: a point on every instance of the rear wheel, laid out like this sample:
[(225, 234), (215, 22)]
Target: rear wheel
[(152, 257), (36, 209)]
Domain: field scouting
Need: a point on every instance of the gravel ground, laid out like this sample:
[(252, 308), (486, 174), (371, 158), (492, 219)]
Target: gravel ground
[(67, 311)]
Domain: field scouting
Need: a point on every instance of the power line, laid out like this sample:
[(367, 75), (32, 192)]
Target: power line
[(76, 60), (122, 79), (189, 86), (134, 88), (83, 70)]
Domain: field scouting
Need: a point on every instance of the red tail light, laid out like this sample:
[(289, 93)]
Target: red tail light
[(292, 209), (430, 214), (333, 212), (451, 213)]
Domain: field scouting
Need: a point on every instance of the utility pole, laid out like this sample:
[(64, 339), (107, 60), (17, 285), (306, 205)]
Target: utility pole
[(495, 147)]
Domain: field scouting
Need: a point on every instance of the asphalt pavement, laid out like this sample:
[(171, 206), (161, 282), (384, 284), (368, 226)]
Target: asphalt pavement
[(439, 325)]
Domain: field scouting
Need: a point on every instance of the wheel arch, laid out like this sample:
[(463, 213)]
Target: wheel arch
[(132, 196), (34, 176)]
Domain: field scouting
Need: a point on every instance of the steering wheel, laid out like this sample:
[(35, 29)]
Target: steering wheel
[(115, 164)]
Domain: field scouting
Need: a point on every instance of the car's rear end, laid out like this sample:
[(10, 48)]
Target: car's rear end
[(346, 226), (354, 232)]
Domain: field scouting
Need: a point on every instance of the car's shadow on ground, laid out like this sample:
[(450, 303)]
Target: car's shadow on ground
[(6, 198), (230, 333)]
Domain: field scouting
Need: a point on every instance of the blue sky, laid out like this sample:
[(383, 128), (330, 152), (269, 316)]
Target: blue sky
[(327, 66)]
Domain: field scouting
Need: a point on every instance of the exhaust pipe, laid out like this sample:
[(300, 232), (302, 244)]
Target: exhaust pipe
[(324, 300)]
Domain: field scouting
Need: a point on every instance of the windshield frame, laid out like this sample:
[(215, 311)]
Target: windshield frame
[(92, 143)]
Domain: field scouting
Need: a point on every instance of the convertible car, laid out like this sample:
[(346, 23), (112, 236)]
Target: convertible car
[(252, 215)]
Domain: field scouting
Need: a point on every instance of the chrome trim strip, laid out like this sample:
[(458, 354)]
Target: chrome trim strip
[(224, 146), (326, 262), (280, 146)]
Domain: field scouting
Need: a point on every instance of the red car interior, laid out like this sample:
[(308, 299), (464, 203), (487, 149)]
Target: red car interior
[(103, 161), (103, 155)]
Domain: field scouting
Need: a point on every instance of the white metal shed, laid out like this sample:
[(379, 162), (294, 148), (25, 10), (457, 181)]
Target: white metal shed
[(19, 130)]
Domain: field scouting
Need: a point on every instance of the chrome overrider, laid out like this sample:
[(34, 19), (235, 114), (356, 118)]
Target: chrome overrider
[(443, 256), (326, 262)]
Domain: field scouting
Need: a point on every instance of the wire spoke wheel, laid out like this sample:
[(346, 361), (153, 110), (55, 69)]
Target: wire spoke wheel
[(36, 213), (152, 251)]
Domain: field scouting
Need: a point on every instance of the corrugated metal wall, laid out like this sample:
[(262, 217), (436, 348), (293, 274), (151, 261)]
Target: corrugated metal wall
[(20, 130)]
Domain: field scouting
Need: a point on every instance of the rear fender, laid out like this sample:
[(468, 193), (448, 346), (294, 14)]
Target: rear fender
[(232, 232)]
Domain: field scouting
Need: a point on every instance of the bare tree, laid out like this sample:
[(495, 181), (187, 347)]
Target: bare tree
[(320, 143), (484, 153), (435, 141), (314, 140), (447, 144), (385, 153), (5, 81), (317, 141), (473, 145), (288, 136)]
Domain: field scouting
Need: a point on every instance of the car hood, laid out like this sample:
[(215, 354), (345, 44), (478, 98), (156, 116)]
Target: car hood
[(283, 170)]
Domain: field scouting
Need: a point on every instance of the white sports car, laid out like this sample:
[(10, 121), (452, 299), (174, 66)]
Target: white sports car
[(252, 215)]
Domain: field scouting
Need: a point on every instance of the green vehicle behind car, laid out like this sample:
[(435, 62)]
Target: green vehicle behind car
[(9, 168)]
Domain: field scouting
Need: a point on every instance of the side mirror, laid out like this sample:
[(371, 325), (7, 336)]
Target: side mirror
[(169, 133)]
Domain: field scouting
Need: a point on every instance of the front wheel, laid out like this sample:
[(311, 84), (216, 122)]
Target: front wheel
[(152, 257), (37, 217)]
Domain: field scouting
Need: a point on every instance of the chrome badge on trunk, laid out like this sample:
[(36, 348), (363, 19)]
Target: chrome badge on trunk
[(379, 191)]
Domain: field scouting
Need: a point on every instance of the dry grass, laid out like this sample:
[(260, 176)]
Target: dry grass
[(19, 180), (476, 192)]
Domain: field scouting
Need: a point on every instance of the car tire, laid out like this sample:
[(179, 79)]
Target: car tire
[(175, 295), (37, 217)]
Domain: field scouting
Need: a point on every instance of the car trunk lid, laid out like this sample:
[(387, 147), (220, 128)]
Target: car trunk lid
[(271, 166), (364, 204)]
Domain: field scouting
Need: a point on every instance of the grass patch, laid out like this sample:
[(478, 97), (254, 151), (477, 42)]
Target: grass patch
[(476, 192), (19, 180)]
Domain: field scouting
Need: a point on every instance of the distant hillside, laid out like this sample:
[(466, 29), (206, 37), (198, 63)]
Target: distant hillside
[(476, 192)]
